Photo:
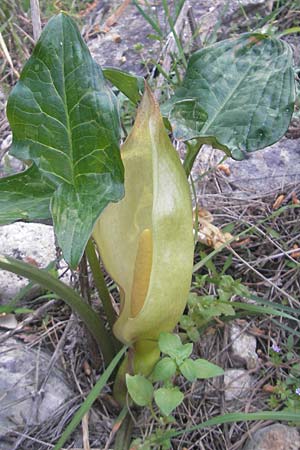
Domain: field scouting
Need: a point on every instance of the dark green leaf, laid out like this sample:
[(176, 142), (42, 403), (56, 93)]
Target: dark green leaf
[(140, 389), (186, 115), (132, 86), (167, 399), (65, 119), (199, 369), (75, 214), (25, 196), (246, 86)]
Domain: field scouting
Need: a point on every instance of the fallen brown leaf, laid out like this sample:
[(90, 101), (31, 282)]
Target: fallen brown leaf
[(87, 368), (295, 199), (88, 8), (296, 253), (224, 168), (268, 388), (241, 243), (278, 202), (256, 331), (117, 14)]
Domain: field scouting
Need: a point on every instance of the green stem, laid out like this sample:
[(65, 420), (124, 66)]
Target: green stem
[(123, 435), (176, 38), (164, 74), (85, 312), (191, 154), (100, 283)]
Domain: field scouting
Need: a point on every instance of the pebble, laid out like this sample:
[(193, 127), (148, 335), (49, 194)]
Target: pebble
[(21, 368), (30, 242), (274, 437), (243, 346), (237, 384)]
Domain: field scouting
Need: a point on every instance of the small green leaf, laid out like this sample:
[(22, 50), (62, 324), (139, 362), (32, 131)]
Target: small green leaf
[(140, 389), (131, 85), (25, 196), (65, 119), (246, 86), (199, 369), (186, 322), (223, 307), (167, 342), (167, 399), (295, 370), (290, 342), (193, 334), (164, 370), (137, 444), (171, 345)]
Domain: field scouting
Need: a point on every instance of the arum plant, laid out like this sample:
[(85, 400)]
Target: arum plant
[(237, 95), (146, 239)]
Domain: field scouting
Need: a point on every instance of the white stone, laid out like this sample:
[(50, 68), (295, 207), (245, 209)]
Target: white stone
[(243, 345), (6, 143), (21, 241), (274, 437), (237, 384), (20, 370), (8, 321)]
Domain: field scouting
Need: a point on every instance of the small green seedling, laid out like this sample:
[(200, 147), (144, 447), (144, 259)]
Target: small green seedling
[(176, 361), (202, 309)]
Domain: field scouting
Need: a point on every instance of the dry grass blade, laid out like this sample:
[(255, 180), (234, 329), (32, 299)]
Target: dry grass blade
[(7, 55), (36, 19), (85, 431)]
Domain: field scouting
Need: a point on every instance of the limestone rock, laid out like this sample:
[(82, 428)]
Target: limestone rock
[(20, 370), (31, 242), (237, 384), (243, 346), (274, 437), (6, 143), (25, 241), (262, 172)]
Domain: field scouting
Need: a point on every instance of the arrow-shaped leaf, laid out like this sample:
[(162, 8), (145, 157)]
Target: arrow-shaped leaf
[(25, 196), (246, 87), (65, 119)]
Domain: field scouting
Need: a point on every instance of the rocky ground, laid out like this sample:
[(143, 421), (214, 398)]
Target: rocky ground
[(45, 352)]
